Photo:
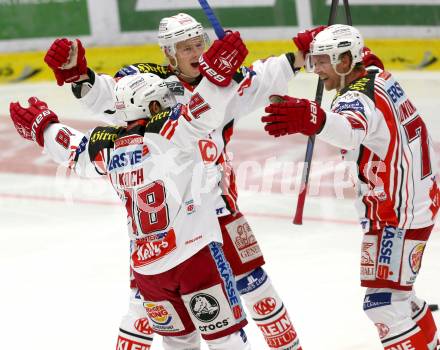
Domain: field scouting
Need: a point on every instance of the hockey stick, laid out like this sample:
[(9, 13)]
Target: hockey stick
[(297, 220), (219, 31)]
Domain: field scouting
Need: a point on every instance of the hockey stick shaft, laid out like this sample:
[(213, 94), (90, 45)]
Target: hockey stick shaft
[(212, 18), (347, 13), (297, 220)]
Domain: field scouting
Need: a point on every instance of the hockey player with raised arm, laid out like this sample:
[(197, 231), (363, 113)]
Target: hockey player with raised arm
[(157, 171), (379, 128), (183, 42)]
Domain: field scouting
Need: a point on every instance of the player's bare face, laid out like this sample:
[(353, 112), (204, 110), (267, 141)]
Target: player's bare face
[(187, 56), (323, 67)]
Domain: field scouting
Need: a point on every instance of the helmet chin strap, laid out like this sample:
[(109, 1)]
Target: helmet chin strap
[(343, 75), (183, 75), (177, 71)]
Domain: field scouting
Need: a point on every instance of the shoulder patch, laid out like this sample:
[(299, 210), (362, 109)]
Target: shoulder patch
[(102, 137), (156, 122), (162, 71), (176, 87), (364, 85), (355, 105), (135, 68)]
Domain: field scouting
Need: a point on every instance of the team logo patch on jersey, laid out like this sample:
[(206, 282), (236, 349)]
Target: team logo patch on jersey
[(204, 307), (208, 150), (374, 300), (176, 87), (355, 105), (265, 306)]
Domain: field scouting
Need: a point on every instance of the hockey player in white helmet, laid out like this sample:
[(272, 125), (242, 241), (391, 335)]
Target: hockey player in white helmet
[(183, 42), (154, 166), (380, 129)]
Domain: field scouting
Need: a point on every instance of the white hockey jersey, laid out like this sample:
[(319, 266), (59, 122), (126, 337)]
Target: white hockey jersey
[(379, 128), (274, 71), (158, 171)]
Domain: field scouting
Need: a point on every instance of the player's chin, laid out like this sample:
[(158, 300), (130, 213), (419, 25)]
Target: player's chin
[(194, 72), (328, 84)]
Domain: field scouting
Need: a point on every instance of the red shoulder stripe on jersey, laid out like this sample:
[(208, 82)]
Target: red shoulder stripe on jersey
[(356, 121), (172, 130), (165, 128)]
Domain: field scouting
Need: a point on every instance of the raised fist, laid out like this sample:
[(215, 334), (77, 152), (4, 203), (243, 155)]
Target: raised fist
[(303, 39), (32, 121), (370, 59), (293, 115), (223, 58), (67, 60)]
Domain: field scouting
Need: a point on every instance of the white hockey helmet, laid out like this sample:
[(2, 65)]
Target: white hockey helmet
[(335, 40), (175, 29), (133, 94)]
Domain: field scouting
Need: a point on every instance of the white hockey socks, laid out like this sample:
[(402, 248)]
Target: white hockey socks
[(135, 332), (184, 342), (268, 311), (391, 312)]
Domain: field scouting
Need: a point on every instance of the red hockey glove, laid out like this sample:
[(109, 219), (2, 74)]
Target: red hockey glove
[(293, 115), (303, 39), (223, 58), (67, 60), (370, 59), (32, 121)]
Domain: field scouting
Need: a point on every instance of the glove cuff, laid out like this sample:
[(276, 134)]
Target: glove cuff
[(38, 129), (212, 75)]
